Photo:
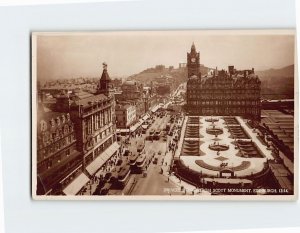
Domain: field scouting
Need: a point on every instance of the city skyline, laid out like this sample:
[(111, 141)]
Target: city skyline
[(71, 56), (186, 136)]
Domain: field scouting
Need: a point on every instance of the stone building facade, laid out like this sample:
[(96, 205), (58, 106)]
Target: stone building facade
[(82, 141), (222, 93), (125, 116), (57, 155)]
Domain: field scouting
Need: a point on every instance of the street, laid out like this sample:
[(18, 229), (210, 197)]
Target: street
[(157, 180)]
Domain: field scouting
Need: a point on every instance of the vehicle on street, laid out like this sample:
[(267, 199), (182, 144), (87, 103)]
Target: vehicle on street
[(168, 127), (151, 133), (132, 160), (126, 152), (157, 134), (123, 176), (140, 164), (176, 138), (140, 147), (105, 189)]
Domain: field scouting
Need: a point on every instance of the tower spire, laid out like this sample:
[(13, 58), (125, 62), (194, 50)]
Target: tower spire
[(105, 81), (193, 48)]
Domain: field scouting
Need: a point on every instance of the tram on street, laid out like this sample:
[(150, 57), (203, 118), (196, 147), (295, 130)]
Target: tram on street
[(123, 176), (140, 164), (140, 147)]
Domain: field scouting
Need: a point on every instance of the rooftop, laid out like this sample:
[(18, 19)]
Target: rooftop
[(89, 99)]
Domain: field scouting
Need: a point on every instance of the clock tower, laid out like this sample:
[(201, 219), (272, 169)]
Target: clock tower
[(193, 62)]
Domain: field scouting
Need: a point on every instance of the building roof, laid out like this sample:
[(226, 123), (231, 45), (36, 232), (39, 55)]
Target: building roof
[(123, 107), (91, 99), (83, 95), (281, 124)]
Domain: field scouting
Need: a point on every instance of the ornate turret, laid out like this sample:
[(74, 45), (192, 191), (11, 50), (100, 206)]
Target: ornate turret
[(105, 85)]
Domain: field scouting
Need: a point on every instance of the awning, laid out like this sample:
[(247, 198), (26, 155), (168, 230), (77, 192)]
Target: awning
[(154, 109), (95, 165), (74, 187), (102, 158), (107, 154), (134, 127), (145, 117), (122, 130)]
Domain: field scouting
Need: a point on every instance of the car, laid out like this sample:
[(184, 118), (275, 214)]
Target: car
[(159, 152), (120, 161), (107, 176), (155, 161), (126, 152)]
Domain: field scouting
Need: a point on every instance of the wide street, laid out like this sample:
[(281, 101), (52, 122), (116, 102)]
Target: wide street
[(157, 180)]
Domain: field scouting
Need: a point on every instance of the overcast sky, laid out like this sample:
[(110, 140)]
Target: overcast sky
[(127, 53)]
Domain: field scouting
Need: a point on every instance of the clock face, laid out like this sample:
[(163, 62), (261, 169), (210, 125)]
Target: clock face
[(193, 59)]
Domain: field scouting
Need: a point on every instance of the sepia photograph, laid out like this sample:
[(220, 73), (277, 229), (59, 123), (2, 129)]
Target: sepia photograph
[(164, 115)]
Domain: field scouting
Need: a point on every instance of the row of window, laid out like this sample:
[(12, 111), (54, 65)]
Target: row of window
[(89, 158), (103, 134), (97, 121), (224, 92), (54, 147), (222, 103), (52, 160), (221, 97), (49, 138), (226, 111)]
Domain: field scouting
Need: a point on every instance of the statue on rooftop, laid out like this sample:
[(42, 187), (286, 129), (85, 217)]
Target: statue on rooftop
[(104, 65)]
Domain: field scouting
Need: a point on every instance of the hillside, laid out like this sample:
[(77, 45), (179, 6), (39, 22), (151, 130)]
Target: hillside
[(277, 83), (287, 71), (151, 74)]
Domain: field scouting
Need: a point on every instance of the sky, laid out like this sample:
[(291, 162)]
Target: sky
[(62, 56)]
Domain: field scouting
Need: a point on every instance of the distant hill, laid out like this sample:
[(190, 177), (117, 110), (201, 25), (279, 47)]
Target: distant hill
[(277, 83), (287, 71), (151, 74)]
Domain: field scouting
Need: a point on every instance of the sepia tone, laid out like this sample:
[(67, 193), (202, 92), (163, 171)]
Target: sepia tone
[(128, 115)]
